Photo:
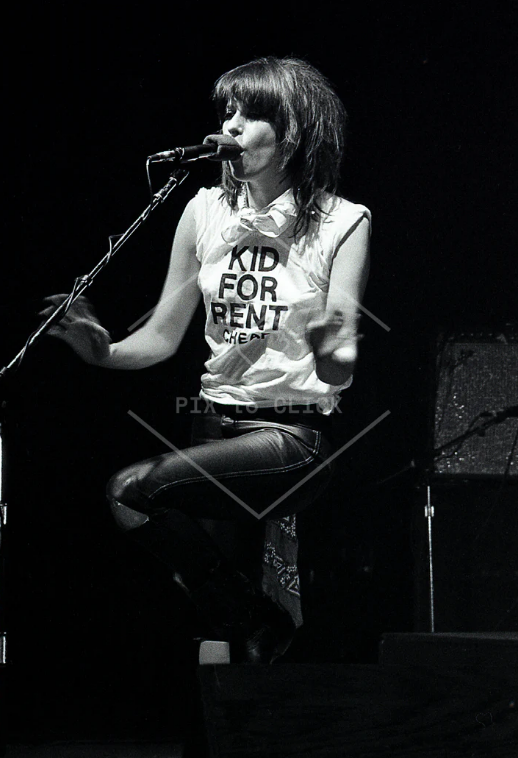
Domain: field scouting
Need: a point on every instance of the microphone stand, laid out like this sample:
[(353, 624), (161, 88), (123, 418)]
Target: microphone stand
[(83, 282), (80, 285)]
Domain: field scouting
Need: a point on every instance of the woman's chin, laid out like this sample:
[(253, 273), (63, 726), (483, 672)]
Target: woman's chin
[(237, 171)]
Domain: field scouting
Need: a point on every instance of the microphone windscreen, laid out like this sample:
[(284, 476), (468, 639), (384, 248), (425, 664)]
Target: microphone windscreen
[(228, 148)]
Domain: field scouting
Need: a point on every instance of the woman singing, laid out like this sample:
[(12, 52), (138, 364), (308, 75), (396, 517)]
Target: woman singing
[(281, 262)]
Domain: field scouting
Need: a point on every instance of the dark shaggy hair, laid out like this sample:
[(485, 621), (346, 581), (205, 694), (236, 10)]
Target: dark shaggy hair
[(309, 121)]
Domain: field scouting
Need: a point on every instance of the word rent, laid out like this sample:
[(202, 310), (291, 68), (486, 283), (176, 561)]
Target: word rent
[(249, 279)]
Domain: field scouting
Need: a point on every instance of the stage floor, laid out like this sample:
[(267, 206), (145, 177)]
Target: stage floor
[(430, 696), (95, 750)]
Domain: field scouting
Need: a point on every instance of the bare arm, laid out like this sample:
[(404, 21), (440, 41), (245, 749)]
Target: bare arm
[(333, 337), (162, 334)]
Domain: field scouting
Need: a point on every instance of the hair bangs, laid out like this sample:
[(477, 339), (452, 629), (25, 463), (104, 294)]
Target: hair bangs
[(255, 88)]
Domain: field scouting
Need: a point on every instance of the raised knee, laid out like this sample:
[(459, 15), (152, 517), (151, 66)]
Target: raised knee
[(119, 491), (126, 518), (119, 486)]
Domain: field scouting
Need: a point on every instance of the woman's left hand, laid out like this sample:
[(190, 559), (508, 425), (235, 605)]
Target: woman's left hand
[(334, 347)]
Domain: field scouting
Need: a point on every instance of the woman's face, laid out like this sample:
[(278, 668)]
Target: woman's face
[(261, 156)]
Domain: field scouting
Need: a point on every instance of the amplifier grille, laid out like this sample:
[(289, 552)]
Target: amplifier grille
[(476, 375)]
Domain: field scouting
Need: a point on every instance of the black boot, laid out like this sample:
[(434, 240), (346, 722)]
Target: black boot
[(259, 631)]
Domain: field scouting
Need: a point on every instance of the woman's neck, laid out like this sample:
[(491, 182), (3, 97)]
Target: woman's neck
[(260, 195)]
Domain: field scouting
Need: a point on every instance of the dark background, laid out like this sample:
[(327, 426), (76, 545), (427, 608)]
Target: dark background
[(98, 639)]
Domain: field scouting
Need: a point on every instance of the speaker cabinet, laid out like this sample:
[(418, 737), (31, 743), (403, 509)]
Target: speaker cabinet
[(476, 384)]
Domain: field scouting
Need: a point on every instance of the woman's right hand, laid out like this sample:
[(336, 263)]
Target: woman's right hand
[(80, 328)]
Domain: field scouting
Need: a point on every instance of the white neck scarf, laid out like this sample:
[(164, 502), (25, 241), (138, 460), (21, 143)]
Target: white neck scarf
[(271, 221)]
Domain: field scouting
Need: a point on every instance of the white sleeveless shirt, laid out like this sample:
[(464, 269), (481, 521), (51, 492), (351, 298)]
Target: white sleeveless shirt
[(261, 288)]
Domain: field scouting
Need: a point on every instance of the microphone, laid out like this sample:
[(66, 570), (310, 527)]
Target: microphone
[(216, 147), (228, 149)]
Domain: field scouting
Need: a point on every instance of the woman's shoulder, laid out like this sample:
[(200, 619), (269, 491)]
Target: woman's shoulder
[(211, 212), (339, 217), (209, 197), (339, 209)]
